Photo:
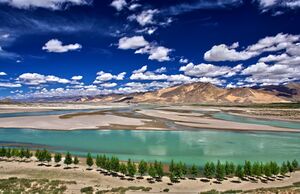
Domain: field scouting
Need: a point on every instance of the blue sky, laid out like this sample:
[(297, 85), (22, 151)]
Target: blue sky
[(92, 47)]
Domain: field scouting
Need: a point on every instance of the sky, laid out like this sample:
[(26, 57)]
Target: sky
[(52, 48)]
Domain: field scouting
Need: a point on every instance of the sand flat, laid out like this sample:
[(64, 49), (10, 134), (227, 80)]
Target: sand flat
[(193, 120), (79, 122)]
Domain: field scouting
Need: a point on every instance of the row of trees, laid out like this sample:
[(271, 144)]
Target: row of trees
[(176, 170), (21, 153), (113, 164)]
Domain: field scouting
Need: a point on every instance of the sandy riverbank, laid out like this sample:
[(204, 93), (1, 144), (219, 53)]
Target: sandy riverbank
[(99, 181), (194, 120)]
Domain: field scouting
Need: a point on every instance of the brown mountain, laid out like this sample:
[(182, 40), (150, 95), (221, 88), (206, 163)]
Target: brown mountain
[(202, 93)]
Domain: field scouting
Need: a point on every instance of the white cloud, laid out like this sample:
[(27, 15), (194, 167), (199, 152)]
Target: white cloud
[(2, 73), (271, 58), (9, 85), (161, 70), (279, 42), (77, 78), (271, 74), (56, 46), (268, 4), (209, 70), (132, 42), (141, 70), (223, 52), (37, 79), (145, 17), (103, 77), (183, 60), (134, 6), (108, 85), (158, 53), (48, 4), (118, 4)]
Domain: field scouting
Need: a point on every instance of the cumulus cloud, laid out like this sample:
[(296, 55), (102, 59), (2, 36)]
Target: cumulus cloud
[(209, 70), (118, 4), (132, 42), (161, 70), (158, 53), (183, 60), (109, 85), (47, 4), (9, 85), (103, 77), (223, 52), (57, 46), (141, 70), (263, 73), (37, 79), (77, 78), (2, 73)]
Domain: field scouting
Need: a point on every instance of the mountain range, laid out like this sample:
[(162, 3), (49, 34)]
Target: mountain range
[(208, 93)]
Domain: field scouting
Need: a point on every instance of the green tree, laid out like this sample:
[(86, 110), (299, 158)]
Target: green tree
[(142, 167), (115, 164), (3, 152), (57, 157), (231, 168), (256, 169), (131, 168), (172, 166), (220, 171), (267, 170), (48, 157), (194, 171), (248, 168), (76, 160), (284, 169), (274, 168), (28, 154), (295, 164), (98, 161), (207, 170), (239, 172), (123, 168), (159, 169), (8, 153), (290, 166), (184, 169), (89, 160), (68, 159), (152, 171)]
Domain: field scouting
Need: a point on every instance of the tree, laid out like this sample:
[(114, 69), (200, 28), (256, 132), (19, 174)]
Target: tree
[(220, 171), (68, 159), (159, 169), (267, 170), (115, 164), (295, 164), (239, 172), (184, 169), (290, 166), (2, 152), (256, 169), (131, 168), (28, 154), (194, 170), (89, 160), (172, 166), (48, 157), (284, 169), (76, 160), (274, 168), (123, 168), (98, 161), (248, 168), (208, 170), (142, 167), (8, 153), (57, 157), (152, 171)]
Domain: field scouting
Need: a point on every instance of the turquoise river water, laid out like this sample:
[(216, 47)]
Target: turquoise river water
[(189, 146)]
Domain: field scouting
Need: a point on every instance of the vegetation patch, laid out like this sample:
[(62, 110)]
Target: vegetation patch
[(28, 186)]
